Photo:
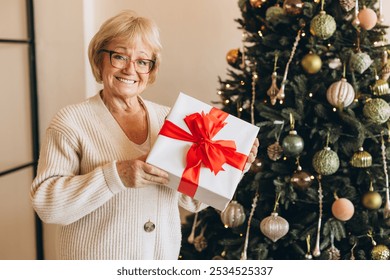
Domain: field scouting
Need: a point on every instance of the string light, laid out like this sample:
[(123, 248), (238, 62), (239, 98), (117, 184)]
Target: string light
[(334, 109), (310, 94), (227, 85)]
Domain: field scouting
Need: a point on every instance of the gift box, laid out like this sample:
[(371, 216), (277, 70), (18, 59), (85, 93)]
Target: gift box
[(204, 150)]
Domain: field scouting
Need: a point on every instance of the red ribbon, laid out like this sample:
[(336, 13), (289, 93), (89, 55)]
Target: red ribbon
[(212, 154)]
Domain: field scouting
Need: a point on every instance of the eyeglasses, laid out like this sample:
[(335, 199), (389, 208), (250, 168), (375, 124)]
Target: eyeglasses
[(121, 61)]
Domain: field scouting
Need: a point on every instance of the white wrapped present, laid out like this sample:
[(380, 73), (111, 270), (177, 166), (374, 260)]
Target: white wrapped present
[(204, 150)]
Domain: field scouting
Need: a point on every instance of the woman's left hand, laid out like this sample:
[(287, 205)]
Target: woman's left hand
[(253, 153)]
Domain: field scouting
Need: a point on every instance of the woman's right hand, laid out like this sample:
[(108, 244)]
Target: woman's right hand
[(137, 173)]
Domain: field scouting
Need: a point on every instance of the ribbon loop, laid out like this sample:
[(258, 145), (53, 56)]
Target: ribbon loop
[(204, 150)]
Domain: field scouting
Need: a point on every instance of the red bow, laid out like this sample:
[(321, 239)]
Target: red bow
[(213, 154)]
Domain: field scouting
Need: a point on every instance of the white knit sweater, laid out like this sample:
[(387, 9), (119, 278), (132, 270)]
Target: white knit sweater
[(77, 187)]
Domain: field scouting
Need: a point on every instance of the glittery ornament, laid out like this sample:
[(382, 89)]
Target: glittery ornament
[(347, 5), (361, 159), (323, 26), (340, 93), (377, 110), (380, 252), (368, 18), (273, 12), (233, 215), (311, 63), (274, 227), (360, 62), (326, 162), (293, 7)]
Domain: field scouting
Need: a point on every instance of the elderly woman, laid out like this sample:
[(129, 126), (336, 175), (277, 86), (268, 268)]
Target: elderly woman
[(92, 179)]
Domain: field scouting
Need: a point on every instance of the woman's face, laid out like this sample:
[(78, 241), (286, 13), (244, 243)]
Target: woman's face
[(124, 83)]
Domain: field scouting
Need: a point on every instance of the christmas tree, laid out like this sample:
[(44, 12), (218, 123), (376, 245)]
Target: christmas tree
[(313, 76)]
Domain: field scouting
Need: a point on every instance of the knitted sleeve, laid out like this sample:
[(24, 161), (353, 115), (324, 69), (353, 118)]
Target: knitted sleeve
[(59, 194)]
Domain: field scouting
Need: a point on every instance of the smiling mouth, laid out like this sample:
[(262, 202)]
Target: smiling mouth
[(126, 81)]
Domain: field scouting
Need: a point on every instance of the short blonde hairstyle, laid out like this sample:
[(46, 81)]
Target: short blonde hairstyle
[(128, 26)]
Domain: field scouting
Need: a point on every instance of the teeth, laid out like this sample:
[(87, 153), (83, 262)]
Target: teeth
[(126, 81)]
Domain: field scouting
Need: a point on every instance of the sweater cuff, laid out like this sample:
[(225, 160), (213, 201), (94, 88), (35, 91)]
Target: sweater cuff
[(112, 178)]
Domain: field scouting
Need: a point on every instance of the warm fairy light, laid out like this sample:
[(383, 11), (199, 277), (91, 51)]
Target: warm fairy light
[(281, 102), (242, 83), (241, 235), (240, 109), (225, 226), (310, 94), (284, 158), (303, 34), (329, 45), (356, 100), (219, 92), (334, 109), (260, 33), (317, 1), (227, 101), (227, 85)]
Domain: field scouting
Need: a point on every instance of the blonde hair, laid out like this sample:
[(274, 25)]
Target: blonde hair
[(129, 26)]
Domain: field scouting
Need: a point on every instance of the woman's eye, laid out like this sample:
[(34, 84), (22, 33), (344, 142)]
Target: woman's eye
[(142, 62), (118, 56)]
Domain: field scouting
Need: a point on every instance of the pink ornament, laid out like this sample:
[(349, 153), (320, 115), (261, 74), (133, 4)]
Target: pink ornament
[(367, 18), (343, 209)]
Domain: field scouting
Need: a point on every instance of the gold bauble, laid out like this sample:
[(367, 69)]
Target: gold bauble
[(381, 87), (293, 7), (380, 252), (257, 3), (372, 200), (311, 63), (377, 110), (233, 56), (323, 26), (361, 159), (326, 162), (340, 93), (274, 227), (233, 215)]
